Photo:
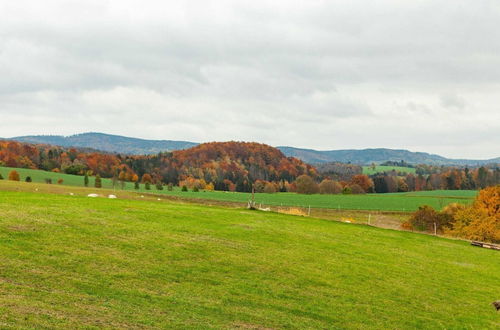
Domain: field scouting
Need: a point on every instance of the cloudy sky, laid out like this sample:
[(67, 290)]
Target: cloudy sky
[(417, 75)]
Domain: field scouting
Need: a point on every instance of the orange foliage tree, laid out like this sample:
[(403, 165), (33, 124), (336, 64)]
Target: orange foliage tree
[(14, 175)]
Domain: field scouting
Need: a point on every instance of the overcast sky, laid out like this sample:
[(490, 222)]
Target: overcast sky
[(417, 75)]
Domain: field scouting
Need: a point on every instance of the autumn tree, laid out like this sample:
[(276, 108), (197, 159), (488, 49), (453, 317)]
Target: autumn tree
[(14, 175), (306, 185), (481, 221), (363, 181), (330, 187), (146, 178), (269, 188), (356, 189)]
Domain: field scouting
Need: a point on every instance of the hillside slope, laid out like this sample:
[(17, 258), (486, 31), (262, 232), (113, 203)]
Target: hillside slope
[(139, 264), (134, 146), (108, 142), (379, 155)]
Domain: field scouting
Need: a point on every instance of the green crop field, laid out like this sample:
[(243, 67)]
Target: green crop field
[(369, 170), (385, 202), (79, 262)]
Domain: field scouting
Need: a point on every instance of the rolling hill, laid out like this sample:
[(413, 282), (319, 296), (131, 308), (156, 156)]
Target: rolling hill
[(378, 155), (135, 146), (108, 142)]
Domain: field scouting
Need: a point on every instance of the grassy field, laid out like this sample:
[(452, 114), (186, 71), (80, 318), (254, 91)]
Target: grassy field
[(402, 202), (368, 170), (78, 262)]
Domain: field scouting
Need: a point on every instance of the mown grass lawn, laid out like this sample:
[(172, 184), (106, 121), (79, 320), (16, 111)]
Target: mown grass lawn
[(403, 202), (75, 262)]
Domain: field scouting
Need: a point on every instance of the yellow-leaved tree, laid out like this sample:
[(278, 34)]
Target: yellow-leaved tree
[(481, 221)]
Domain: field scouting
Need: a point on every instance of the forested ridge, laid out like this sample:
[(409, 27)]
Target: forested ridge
[(237, 166), (226, 165)]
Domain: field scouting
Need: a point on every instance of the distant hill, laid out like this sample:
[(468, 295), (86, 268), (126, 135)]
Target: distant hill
[(369, 156), (108, 142), (134, 146)]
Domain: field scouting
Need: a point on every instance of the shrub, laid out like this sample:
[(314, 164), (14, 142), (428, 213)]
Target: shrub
[(357, 189), (28, 179), (147, 185), (170, 186), (98, 181), (14, 175), (330, 187), (48, 180), (60, 181), (136, 185), (195, 189), (425, 218), (306, 185), (347, 190), (269, 188), (184, 188), (159, 186), (1, 177), (86, 180)]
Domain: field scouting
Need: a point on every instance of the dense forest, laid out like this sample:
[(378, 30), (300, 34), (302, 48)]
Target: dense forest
[(237, 166), (224, 165)]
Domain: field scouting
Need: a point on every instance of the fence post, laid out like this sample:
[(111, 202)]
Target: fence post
[(435, 229), (309, 211), (369, 217)]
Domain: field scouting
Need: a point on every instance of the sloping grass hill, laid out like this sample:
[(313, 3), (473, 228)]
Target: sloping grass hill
[(79, 262)]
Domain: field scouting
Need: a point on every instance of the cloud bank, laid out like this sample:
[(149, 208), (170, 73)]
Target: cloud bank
[(420, 75)]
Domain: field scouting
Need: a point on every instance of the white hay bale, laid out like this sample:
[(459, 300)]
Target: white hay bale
[(71, 194), (112, 196), (159, 199), (92, 195)]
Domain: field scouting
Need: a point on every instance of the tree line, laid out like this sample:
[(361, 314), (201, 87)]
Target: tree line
[(240, 166)]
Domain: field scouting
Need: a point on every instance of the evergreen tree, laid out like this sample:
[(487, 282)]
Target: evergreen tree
[(86, 180), (28, 179), (147, 185), (136, 185)]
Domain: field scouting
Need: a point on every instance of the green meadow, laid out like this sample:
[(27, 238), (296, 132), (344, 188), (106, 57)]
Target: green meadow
[(369, 170), (402, 202), (79, 262)]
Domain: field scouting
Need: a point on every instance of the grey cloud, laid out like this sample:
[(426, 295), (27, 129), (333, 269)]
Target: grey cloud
[(237, 70), (451, 100)]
